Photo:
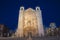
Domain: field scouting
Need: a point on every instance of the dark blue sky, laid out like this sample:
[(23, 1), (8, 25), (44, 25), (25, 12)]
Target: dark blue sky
[(9, 10)]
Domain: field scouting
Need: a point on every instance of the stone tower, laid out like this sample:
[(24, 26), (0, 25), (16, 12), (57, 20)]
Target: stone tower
[(30, 22)]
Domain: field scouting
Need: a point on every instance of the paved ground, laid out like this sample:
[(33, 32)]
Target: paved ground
[(34, 38)]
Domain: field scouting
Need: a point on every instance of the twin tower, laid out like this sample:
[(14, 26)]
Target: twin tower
[(30, 22)]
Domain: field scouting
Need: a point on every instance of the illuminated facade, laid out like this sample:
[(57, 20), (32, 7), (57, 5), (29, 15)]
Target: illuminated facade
[(30, 22)]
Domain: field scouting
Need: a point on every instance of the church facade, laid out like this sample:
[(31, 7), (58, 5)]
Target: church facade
[(30, 22)]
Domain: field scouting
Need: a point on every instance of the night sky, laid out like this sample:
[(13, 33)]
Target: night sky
[(9, 11)]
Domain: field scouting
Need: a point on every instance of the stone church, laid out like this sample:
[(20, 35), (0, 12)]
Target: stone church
[(30, 22)]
